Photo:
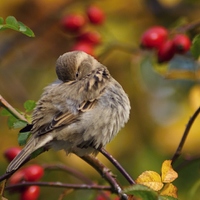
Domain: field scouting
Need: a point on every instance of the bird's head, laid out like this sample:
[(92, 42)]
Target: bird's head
[(75, 65)]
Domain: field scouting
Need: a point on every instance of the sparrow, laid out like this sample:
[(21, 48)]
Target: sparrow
[(80, 113)]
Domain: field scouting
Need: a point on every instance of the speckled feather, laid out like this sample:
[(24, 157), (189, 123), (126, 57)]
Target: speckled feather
[(79, 114)]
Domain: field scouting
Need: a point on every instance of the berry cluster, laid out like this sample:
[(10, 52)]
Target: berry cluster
[(30, 173), (158, 38), (76, 24)]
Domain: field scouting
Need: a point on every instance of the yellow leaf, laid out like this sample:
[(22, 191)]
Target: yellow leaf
[(150, 179), (168, 174), (170, 190)]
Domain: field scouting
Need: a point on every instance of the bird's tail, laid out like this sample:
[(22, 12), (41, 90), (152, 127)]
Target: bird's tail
[(22, 156), (33, 144)]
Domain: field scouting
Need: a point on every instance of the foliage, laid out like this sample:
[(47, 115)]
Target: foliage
[(12, 23), (150, 185)]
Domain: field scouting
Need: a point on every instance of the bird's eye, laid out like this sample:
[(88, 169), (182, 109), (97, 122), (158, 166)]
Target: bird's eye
[(76, 74)]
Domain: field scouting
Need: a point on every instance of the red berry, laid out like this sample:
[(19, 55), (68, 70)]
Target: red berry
[(17, 177), (11, 153), (84, 46), (73, 22), (154, 37), (93, 37), (95, 14), (182, 43), (33, 172), (166, 51), (30, 193)]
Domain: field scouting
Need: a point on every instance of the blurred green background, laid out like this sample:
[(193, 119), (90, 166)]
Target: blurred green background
[(160, 107)]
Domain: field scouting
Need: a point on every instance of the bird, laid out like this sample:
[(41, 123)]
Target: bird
[(80, 113)]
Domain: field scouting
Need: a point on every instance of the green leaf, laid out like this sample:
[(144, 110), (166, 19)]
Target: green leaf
[(12, 23), (22, 27), (25, 30), (1, 20), (11, 121), (23, 137), (166, 198), (19, 124), (196, 46), (144, 192), (29, 105), (194, 190), (5, 112)]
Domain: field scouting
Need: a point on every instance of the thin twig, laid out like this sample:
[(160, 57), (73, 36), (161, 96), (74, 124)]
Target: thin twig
[(188, 27), (115, 45), (6, 176), (70, 170), (117, 165), (60, 185), (185, 134), (12, 110), (65, 193), (74, 173), (106, 174)]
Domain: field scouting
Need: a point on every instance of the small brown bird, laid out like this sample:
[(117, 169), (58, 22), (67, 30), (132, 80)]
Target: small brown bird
[(80, 113)]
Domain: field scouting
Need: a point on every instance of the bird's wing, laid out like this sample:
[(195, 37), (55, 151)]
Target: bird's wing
[(65, 119), (59, 120), (89, 90)]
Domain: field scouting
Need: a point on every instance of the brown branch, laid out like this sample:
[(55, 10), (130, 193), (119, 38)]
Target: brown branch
[(117, 165), (6, 176), (188, 27), (12, 110), (70, 170), (115, 45), (185, 134), (60, 185), (106, 174)]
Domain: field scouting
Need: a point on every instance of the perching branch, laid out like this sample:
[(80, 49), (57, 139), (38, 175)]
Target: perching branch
[(185, 134), (94, 162), (117, 165), (59, 185), (69, 170), (106, 174), (12, 110)]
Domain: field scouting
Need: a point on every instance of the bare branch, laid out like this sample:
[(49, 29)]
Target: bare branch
[(70, 170), (60, 185), (12, 110), (117, 165), (106, 174), (185, 134)]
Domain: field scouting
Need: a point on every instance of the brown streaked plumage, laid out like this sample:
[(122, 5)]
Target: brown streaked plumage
[(79, 114)]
